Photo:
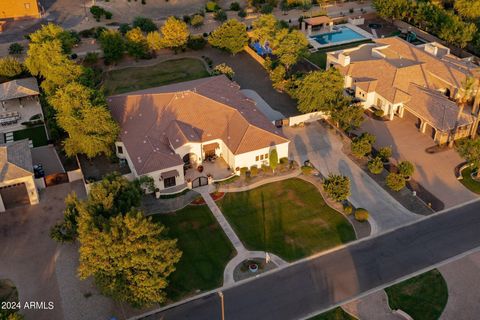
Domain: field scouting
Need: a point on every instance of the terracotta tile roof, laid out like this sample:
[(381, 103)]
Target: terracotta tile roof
[(156, 121), (315, 21), (435, 108), (18, 89), (15, 160)]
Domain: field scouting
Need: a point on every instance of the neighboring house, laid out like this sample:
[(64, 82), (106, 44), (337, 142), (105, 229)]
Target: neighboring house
[(18, 9), (417, 83), (17, 182), (19, 107), (168, 132)]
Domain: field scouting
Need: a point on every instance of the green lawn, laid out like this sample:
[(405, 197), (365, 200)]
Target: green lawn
[(206, 250), (423, 297), (138, 78), (468, 182), (298, 223), (36, 134), (334, 314), (320, 57)]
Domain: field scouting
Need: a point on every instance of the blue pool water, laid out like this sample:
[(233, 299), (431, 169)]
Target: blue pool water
[(343, 34)]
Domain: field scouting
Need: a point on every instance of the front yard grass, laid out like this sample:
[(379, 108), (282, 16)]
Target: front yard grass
[(166, 72), (298, 222), (320, 57), (422, 297), (206, 251), (468, 182), (36, 134)]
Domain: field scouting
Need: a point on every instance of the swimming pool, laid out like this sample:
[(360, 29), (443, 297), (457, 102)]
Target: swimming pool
[(343, 34)]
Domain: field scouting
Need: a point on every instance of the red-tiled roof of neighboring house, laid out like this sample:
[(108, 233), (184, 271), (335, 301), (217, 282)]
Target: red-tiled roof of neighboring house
[(156, 121)]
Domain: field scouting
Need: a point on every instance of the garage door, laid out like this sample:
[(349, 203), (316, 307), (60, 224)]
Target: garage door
[(14, 195), (410, 117)]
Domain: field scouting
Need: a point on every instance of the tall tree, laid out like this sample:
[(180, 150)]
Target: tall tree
[(113, 46), (154, 41), (320, 91), (469, 9), (51, 32), (470, 150), (264, 28), (10, 67), (89, 125), (289, 46), (346, 115), (47, 60), (136, 43), (145, 24), (231, 36), (174, 33)]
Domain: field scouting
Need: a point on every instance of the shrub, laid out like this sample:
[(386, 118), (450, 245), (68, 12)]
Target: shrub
[(10, 67), (266, 169), (91, 58), (375, 165), (124, 28), (284, 160), (361, 215), (98, 32), (385, 153), (379, 113), (220, 16), (242, 13), (253, 171), (186, 18), (211, 6), (223, 69), (97, 12), (307, 170), (406, 168), (337, 187), (196, 42), (266, 9), (108, 15), (145, 24), (243, 171), (362, 145), (235, 6), (15, 48), (347, 209), (196, 21), (273, 159), (396, 181)]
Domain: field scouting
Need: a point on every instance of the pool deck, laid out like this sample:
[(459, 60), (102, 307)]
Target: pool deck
[(316, 45)]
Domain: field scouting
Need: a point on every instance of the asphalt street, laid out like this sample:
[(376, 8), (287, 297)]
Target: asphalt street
[(320, 283)]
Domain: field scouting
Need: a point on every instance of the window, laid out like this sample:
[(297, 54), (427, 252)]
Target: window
[(27, 5), (169, 182), (256, 158), (266, 156), (119, 150), (261, 157)]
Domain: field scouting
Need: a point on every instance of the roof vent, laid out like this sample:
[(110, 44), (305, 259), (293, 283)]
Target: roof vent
[(144, 141), (140, 114), (125, 132), (176, 140)]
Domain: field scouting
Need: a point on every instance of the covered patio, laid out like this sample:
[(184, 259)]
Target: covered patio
[(317, 25), (216, 168)]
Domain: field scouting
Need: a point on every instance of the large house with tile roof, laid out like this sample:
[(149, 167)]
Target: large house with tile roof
[(419, 83), (168, 130)]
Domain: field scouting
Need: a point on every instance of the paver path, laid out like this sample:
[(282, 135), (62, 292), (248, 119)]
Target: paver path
[(232, 236), (324, 149)]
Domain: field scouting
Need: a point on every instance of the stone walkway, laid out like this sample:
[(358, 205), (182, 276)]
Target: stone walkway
[(242, 252), (227, 188)]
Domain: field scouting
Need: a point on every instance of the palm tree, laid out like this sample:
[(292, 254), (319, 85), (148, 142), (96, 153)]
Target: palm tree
[(465, 94)]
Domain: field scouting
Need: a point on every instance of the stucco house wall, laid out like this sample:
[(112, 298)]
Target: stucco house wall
[(248, 159)]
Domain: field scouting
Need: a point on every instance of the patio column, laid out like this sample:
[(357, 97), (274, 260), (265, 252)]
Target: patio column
[(2, 206), (303, 26), (401, 111), (309, 30), (423, 126)]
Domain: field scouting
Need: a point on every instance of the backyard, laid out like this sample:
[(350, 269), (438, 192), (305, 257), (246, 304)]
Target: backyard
[(206, 251), (36, 134), (288, 218), (320, 57), (468, 182), (166, 72), (422, 297)]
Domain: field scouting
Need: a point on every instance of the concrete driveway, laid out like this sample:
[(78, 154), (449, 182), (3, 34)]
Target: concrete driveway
[(434, 171), (324, 149)]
